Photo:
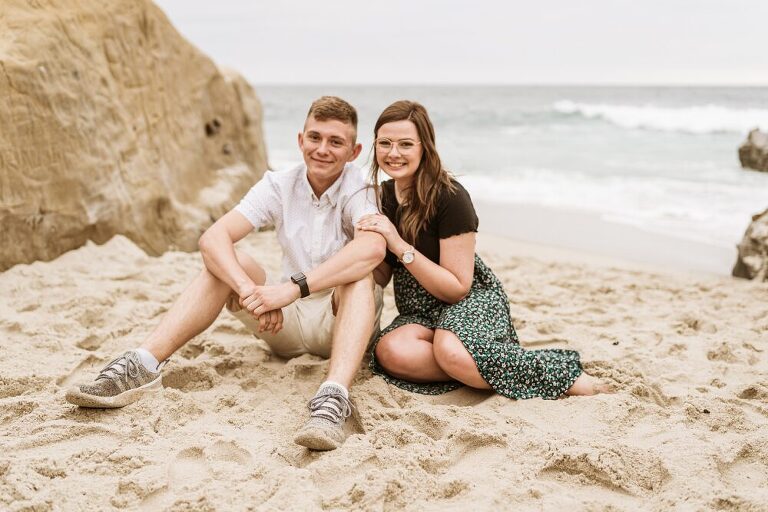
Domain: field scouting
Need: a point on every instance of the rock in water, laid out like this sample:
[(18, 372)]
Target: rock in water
[(111, 122), (753, 250), (753, 153)]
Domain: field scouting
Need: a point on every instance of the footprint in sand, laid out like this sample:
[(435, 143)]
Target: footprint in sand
[(191, 377), (188, 470), (427, 424), (194, 466), (229, 451), (81, 371), (756, 391), (748, 469), (90, 342), (471, 449), (615, 468)]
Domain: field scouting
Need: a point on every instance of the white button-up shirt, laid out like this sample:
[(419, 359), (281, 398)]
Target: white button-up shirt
[(310, 229)]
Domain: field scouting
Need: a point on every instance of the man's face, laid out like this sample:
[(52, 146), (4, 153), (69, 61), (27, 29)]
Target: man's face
[(327, 146)]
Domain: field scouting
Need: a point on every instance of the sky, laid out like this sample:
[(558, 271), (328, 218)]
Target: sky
[(591, 42)]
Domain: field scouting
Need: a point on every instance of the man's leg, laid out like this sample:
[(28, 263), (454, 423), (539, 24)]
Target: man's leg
[(129, 376), (196, 309), (355, 315)]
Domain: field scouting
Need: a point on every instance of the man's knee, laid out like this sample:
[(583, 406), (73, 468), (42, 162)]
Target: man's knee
[(356, 289), (253, 269), (366, 284)]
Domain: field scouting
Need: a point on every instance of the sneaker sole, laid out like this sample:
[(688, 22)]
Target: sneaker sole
[(77, 397), (316, 439)]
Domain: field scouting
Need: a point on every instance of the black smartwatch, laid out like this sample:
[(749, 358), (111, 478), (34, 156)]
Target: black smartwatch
[(301, 280)]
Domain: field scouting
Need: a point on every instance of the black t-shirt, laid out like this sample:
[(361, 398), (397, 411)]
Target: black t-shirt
[(455, 215)]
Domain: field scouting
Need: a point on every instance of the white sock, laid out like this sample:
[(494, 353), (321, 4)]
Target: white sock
[(148, 361), (334, 384)]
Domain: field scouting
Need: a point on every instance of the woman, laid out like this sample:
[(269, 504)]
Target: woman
[(454, 325)]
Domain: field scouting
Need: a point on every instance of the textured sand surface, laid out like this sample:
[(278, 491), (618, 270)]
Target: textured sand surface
[(688, 429)]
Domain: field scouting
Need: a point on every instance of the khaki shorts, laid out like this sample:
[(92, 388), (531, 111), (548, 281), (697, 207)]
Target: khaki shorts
[(307, 325)]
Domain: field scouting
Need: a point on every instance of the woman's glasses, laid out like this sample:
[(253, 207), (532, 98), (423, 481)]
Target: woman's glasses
[(403, 146)]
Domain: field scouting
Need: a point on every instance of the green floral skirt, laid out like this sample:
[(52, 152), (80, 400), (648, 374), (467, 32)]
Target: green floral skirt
[(482, 322)]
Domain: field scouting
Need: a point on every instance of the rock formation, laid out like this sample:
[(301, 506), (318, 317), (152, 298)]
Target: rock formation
[(753, 153), (753, 250), (111, 122)]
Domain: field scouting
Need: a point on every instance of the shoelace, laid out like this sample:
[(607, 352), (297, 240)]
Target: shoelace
[(122, 366), (334, 407)]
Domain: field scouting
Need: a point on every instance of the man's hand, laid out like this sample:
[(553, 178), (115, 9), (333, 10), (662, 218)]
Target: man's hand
[(269, 298), (271, 321)]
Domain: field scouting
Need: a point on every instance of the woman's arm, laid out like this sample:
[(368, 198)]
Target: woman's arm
[(451, 279)]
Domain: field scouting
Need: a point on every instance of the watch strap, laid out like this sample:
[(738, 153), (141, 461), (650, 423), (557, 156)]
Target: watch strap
[(300, 279)]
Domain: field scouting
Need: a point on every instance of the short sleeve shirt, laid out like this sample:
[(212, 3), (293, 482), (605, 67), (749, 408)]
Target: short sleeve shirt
[(309, 229), (455, 215)]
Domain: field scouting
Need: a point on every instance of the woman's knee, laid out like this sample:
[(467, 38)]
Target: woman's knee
[(451, 355), (392, 354)]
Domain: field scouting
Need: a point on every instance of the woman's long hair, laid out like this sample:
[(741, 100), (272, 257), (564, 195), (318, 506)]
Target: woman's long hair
[(419, 201)]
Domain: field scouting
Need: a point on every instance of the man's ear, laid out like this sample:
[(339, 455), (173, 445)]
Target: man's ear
[(356, 152), (301, 141)]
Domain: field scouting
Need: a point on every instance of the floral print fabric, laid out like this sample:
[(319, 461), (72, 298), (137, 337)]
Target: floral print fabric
[(482, 322)]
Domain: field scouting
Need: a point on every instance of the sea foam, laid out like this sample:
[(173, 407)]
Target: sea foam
[(696, 119)]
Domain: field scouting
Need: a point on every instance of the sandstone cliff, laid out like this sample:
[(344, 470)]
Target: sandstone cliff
[(111, 122)]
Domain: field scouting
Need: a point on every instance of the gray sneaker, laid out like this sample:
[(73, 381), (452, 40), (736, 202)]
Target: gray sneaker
[(327, 412), (121, 382)]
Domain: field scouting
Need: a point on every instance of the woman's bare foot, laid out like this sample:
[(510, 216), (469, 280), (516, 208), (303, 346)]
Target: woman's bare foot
[(587, 385)]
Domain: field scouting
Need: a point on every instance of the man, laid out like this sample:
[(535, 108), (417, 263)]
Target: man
[(327, 304)]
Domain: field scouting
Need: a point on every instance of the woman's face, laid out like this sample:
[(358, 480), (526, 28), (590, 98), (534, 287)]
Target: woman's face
[(398, 150)]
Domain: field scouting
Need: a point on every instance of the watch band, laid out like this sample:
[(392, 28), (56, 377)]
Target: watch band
[(300, 279)]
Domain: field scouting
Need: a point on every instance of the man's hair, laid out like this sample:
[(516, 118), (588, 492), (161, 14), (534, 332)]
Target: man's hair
[(332, 107)]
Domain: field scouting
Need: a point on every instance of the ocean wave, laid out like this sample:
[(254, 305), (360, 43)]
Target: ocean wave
[(696, 120)]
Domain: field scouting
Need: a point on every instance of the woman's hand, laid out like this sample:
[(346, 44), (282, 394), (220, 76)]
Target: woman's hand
[(383, 226)]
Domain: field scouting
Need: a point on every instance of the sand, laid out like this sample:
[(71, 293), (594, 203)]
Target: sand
[(688, 429), (583, 232)]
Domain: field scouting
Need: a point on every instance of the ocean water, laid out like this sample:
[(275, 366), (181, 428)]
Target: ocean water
[(661, 159)]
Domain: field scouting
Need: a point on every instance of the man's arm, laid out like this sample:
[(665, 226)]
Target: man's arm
[(217, 246), (353, 262)]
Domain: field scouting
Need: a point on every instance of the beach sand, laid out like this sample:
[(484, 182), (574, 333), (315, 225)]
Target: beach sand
[(582, 233), (687, 430)]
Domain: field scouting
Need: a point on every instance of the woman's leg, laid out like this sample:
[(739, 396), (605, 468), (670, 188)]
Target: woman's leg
[(454, 360), (406, 353), (587, 385)]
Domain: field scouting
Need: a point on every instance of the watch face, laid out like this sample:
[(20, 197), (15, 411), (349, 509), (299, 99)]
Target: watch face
[(408, 257)]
